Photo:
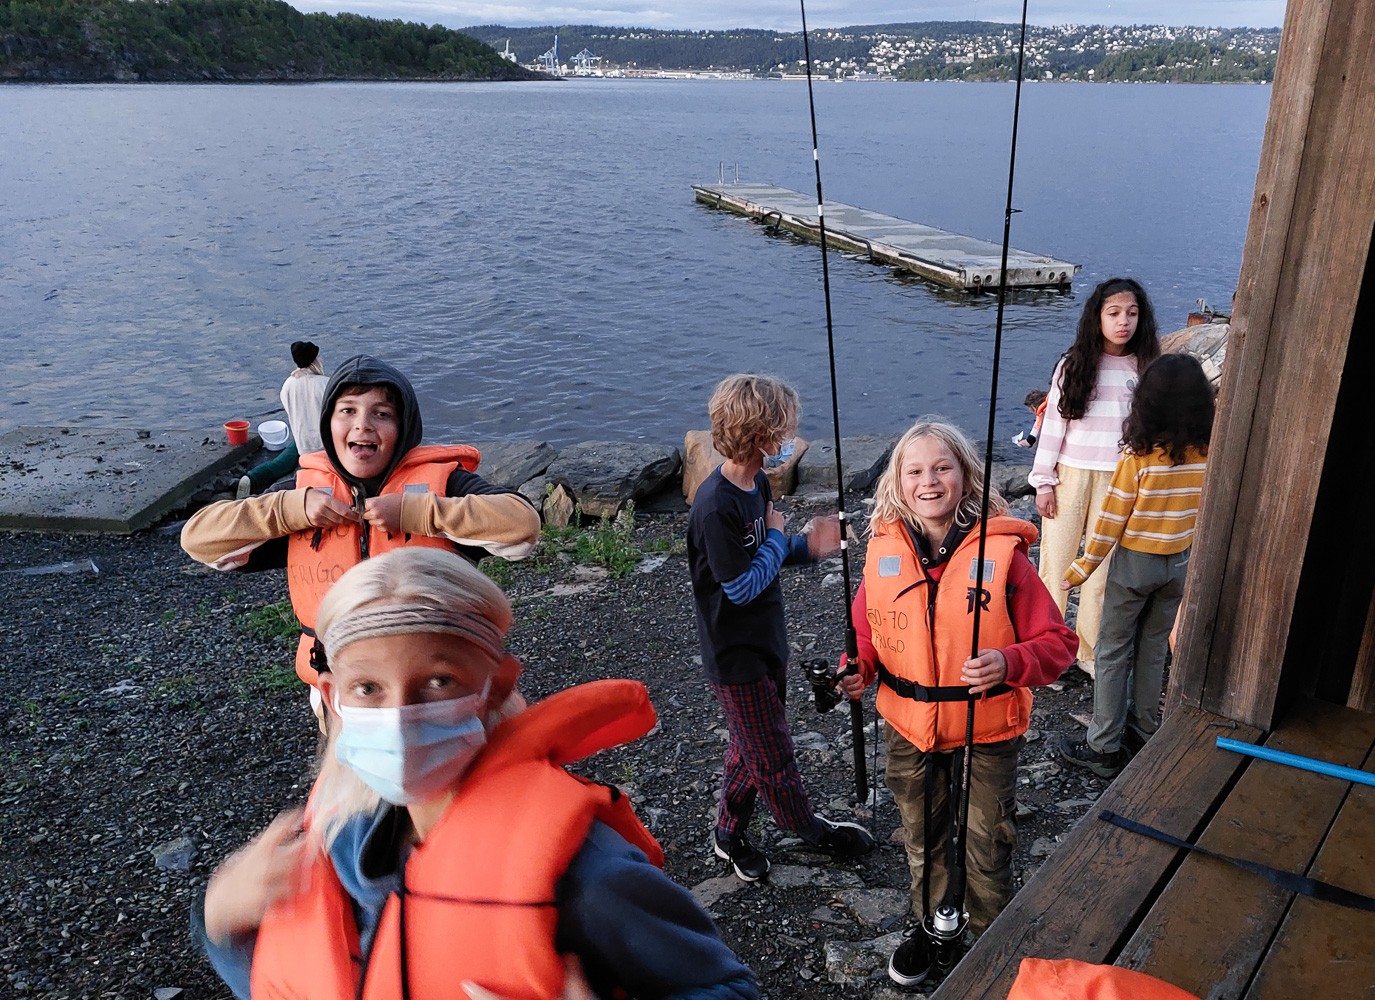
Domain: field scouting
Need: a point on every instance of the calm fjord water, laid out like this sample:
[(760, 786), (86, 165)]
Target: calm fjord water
[(532, 255)]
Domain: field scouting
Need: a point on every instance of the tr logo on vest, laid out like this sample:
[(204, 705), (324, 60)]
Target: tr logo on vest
[(984, 598)]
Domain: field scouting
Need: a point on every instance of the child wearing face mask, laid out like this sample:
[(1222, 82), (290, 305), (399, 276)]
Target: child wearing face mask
[(736, 546), (372, 489), (445, 850), (1081, 435), (914, 617)]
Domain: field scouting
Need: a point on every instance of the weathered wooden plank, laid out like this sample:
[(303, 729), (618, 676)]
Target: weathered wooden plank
[(1306, 251), (1323, 950), (1210, 928), (1362, 696), (1090, 892)]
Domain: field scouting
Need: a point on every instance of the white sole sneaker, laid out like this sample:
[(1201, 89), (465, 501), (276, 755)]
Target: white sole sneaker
[(245, 488), (743, 876)]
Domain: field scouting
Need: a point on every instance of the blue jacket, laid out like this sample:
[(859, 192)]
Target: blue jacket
[(631, 926)]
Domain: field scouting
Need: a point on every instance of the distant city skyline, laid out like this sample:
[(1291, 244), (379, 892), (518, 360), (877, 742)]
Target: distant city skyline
[(782, 15)]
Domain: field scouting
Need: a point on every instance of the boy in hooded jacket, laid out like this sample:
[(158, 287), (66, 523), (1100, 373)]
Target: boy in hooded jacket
[(372, 489)]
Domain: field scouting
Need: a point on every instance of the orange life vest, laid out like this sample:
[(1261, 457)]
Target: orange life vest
[(1068, 979), (479, 898), (317, 557), (923, 629)]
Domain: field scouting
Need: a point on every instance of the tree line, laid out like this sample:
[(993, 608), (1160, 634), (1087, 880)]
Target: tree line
[(167, 40)]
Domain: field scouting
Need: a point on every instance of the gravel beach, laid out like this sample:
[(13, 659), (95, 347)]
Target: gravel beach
[(152, 724)]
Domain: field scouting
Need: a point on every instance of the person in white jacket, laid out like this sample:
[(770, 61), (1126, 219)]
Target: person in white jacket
[(303, 394)]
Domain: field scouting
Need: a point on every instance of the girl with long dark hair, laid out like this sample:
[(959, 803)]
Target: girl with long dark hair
[(1077, 451), (1149, 515)]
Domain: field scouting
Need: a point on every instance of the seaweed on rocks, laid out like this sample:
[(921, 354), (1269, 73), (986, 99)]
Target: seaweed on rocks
[(150, 713)]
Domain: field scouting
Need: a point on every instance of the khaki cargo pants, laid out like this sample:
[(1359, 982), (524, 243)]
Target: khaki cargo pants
[(992, 821)]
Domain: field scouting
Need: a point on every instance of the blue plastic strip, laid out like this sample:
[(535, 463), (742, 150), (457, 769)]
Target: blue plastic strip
[(1294, 760)]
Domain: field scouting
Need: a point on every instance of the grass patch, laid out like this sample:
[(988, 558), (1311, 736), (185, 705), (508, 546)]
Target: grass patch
[(269, 680), (272, 621), (609, 543)]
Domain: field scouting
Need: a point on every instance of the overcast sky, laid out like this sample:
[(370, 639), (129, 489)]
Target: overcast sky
[(783, 14)]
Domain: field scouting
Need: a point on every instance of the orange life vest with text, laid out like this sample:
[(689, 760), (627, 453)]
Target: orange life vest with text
[(317, 557), (479, 892), (1068, 979), (923, 631)]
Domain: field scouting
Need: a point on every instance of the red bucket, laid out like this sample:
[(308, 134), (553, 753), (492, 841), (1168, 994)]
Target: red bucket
[(237, 431)]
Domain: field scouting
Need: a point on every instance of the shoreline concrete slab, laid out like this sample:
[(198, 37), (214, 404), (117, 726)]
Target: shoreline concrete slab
[(105, 479)]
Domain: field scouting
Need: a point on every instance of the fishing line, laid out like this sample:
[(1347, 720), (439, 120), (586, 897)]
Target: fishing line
[(851, 639), (957, 881)]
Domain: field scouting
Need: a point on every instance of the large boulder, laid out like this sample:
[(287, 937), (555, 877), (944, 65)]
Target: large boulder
[(700, 460), (511, 463), (1207, 342), (1011, 480), (865, 458), (603, 475)]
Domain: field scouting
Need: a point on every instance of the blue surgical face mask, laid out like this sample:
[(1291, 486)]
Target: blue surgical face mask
[(410, 754), (785, 452)]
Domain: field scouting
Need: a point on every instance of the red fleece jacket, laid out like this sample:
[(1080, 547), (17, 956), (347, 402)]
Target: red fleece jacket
[(1047, 651)]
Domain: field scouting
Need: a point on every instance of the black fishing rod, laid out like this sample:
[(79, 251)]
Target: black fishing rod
[(851, 639), (947, 925)]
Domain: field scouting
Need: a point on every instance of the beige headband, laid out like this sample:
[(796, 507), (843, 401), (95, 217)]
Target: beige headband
[(403, 619)]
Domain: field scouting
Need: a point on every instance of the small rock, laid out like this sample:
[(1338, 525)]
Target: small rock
[(124, 688), (853, 963), (713, 890), (167, 993), (535, 490), (558, 508), (802, 877), (787, 843), (1011, 480), (1083, 718), (830, 916), (175, 855), (832, 580), (875, 907), (805, 972), (897, 837), (1024, 810), (1032, 735), (1042, 848), (651, 563), (1071, 805)]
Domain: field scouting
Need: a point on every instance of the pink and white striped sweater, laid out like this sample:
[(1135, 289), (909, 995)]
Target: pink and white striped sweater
[(1095, 440)]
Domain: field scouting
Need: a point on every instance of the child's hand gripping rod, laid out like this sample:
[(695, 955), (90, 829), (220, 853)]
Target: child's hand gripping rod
[(851, 640), (956, 891)]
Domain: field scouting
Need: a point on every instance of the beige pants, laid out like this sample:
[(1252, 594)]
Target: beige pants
[(1078, 499)]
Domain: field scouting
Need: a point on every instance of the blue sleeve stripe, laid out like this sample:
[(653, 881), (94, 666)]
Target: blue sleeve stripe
[(763, 568)]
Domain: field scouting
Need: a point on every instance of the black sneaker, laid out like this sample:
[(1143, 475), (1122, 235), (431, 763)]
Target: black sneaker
[(1105, 765), (911, 963), (749, 862), (842, 840)]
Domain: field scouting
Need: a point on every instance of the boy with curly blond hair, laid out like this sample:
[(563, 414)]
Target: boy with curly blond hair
[(736, 546)]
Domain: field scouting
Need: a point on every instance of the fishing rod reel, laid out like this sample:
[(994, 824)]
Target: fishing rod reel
[(945, 930), (825, 684)]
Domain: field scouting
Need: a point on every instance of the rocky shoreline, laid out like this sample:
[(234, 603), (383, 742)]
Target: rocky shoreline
[(152, 724)]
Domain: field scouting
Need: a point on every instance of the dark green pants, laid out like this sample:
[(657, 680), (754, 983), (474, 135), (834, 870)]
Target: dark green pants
[(283, 464), (992, 822)]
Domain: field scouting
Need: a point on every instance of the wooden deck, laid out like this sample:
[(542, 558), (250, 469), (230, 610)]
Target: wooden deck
[(1110, 896), (948, 258)]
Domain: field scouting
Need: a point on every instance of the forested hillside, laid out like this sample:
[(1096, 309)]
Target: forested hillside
[(91, 40)]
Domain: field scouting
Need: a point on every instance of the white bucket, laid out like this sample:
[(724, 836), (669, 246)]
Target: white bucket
[(275, 434)]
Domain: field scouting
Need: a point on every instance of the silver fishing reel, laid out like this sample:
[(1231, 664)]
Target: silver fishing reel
[(945, 928)]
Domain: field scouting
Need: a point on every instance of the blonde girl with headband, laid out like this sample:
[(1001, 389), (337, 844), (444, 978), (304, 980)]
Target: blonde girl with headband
[(914, 615), (445, 852)]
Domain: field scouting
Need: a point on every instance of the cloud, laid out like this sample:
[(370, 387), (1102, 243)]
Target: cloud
[(782, 15)]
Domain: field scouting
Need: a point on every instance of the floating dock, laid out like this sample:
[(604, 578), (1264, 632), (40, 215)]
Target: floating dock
[(948, 258), (105, 479)]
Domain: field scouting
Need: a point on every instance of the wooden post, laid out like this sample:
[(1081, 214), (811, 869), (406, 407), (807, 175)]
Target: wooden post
[(1306, 247)]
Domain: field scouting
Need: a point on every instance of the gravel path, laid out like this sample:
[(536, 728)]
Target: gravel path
[(151, 724)]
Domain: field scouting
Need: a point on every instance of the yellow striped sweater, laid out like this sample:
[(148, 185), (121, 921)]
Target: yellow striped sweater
[(1151, 506)]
